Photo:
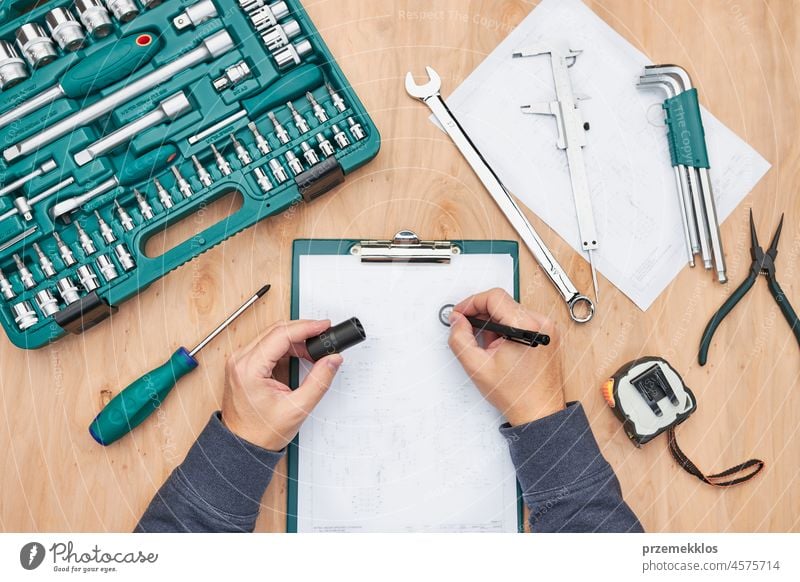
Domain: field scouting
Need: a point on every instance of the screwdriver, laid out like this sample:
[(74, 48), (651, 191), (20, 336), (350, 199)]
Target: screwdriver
[(131, 406), (92, 73)]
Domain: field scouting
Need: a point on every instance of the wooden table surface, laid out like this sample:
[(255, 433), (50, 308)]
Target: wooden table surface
[(744, 55)]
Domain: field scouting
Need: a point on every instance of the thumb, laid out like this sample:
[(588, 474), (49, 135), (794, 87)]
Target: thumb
[(316, 384), (464, 345)]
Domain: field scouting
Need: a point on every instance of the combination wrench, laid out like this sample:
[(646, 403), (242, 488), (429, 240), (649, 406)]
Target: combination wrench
[(430, 95)]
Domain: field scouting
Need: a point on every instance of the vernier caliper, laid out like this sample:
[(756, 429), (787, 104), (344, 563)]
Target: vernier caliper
[(571, 138), (581, 308)]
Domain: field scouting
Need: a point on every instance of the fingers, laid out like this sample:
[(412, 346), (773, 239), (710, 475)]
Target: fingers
[(316, 384), (501, 307), (464, 345), (286, 338)]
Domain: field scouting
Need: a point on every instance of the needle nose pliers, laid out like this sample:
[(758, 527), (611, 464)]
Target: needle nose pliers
[(763, 264)]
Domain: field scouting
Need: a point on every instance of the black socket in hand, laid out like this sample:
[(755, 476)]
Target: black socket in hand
[(336, 339)]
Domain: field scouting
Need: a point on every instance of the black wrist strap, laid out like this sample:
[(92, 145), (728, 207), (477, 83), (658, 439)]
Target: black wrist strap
[(748, 469)]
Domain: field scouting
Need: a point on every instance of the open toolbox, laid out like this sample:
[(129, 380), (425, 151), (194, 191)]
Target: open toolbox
[(119, 118)]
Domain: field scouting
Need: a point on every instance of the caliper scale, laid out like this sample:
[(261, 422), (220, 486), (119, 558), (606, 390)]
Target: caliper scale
[(571, 138)]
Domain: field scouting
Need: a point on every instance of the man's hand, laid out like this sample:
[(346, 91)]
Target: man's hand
[(523, 383), (262, 410)]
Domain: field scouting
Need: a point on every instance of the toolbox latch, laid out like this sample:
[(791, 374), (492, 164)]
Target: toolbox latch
[(84, 314), (320, 178)]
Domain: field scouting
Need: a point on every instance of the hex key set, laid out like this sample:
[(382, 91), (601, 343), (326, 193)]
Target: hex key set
[(119, 118)]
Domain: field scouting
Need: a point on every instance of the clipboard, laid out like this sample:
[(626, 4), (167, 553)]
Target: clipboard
[(406, 248)]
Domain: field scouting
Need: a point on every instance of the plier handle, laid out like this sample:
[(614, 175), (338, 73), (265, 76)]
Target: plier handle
[(763, 264)]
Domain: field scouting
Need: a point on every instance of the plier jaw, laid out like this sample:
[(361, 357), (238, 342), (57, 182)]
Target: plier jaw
[(763, 264)]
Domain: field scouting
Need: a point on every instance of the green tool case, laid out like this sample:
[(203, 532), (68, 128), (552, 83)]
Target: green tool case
[(119, 118)]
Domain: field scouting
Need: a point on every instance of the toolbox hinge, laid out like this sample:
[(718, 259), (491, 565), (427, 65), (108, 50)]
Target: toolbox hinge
[(89, 311), (320, 178)]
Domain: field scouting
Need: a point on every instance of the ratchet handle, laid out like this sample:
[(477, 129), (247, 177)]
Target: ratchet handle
[(104, 68), (137, 169), (134, 404)]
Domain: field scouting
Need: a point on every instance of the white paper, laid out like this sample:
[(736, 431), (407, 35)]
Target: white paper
[(634, 196), (402, 441)]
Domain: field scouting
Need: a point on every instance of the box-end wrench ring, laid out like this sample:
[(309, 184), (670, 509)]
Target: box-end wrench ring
[(430, 95)]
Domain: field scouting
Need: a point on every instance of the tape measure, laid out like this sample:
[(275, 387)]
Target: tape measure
[(649, 397)]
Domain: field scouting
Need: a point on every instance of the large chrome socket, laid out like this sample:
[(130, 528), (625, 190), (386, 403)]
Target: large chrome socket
[(292, 54), (35, 45), (65, 30), (67, 290), (24, 315), (123, 10), (265, 17), (94, 17), (47, 303), (12, 67), (281, 35)]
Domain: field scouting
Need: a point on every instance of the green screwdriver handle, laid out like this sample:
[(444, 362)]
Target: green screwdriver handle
[(103, 68), (131, 406), (135, 169)]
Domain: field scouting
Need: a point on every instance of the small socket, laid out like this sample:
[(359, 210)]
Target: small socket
[(280, 35), (12, 68), (336, 99), (45, 264), (163, 195), (263, 180), (309, 154), (24, 315), (124, 257), (292, 54), (261, 142), (233, 75), (222, 164), (295, 165), (339, 137), (183, 185), (5, 287), (299, 121), (107, 268), (67, 290), (278, 172), (241, 151), (86, 242), (63, 249), (105, 231), (201, 172), (356, 129), (319, 110), (144, 205), (280, 131), (87, 278), (124, 218), (325, 146), (47, 303), (25, 274)]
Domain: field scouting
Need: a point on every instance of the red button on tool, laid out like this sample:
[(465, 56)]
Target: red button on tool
[(144, 40)]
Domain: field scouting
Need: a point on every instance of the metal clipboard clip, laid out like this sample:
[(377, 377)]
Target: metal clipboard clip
[(405, 247)]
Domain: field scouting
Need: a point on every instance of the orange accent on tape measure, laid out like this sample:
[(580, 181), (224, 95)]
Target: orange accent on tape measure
[(608, 392)]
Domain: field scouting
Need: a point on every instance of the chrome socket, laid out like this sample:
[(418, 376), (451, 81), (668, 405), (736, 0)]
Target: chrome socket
[(163, 195), (34, 44), (325, 146), (202, 173), (25, 274), (95, 17), (233, 75), (45, 264), (294, 164), (5, 287), (47, 303), (65, 30), (280, 131), (87, 278), (68, 291), (183, 185), (280, 35), (124, 257), (265, 17), (64, 251), (292, 54), (299, 121), (222, 163), (356, 129), (278, 172), (86, 242), (241, 151), (339, 137), (12, 67), (263, 180), (107, 268), (144, 205), (261, 142), (337, 101), (105, 231), (123, 10), (319, 111), (124, 218), (24, 315), (309, 154)]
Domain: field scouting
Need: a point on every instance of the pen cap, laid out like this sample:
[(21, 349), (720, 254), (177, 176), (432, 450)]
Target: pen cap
[(336, 339)]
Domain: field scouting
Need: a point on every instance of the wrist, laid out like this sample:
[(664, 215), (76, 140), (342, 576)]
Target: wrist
[(254, 437), (519, 415)]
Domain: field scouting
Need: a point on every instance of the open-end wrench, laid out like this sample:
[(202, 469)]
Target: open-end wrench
[(685, 193), (709, 207), (430, 95)]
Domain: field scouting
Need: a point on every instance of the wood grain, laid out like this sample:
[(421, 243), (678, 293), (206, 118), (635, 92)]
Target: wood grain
[(743, 55)]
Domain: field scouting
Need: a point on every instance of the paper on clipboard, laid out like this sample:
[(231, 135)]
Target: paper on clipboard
[(402, 441)]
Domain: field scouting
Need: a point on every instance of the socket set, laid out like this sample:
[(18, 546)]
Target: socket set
[(120, 118)]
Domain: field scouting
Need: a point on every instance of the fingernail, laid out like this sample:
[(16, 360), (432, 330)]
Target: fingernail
[(453, 316)]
